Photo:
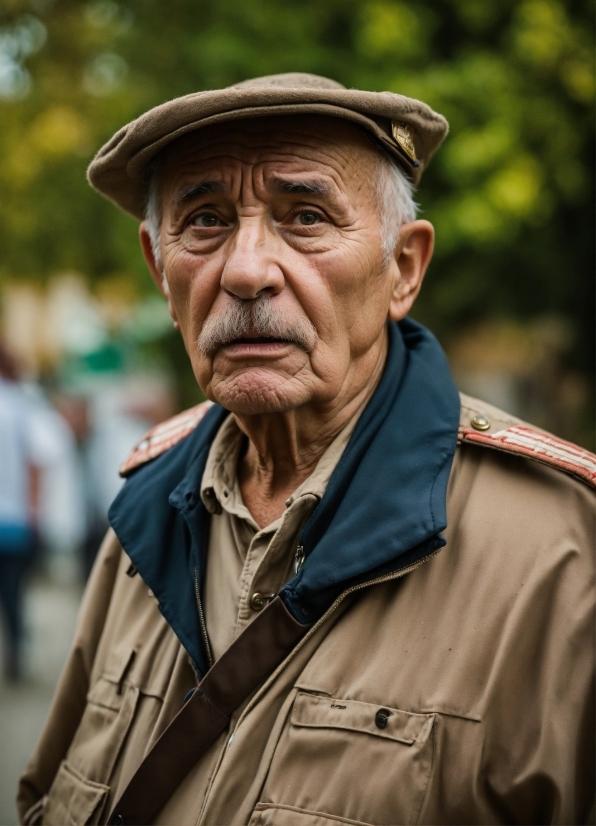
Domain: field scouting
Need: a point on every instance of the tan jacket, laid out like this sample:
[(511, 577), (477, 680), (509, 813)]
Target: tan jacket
[(457, 692)]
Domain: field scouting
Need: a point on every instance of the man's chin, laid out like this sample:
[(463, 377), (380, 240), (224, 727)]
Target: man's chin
[(254, 392)]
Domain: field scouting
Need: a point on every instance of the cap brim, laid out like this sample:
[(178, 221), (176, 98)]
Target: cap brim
[(118, 170)]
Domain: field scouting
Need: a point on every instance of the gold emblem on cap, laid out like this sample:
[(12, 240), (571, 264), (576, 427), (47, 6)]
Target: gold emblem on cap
[(404, 137)]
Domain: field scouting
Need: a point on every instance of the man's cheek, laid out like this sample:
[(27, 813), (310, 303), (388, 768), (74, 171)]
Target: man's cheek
[(177, 284), (188, 298)]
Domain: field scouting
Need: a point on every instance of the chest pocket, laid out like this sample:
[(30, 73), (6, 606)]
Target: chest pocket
[(80, 789), (348, 760)]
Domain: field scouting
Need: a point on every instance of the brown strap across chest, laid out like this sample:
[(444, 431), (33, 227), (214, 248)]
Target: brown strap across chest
[(251, 658)]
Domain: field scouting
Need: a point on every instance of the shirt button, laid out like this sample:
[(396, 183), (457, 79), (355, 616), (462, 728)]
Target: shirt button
[(257, 601), (381, 717)]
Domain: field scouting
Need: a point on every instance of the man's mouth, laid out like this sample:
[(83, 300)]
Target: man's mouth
[(257, 340), (254, 327)]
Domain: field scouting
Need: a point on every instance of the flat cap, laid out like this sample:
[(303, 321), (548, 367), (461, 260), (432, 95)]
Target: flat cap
[(406, 128)]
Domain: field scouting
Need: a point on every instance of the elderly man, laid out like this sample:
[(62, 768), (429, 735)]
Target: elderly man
[(335, 592)]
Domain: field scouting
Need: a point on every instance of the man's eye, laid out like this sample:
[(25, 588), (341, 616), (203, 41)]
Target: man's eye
[(307, 218), (206, 219)]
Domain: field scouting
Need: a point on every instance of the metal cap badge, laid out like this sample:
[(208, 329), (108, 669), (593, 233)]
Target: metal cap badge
[(403, 134)]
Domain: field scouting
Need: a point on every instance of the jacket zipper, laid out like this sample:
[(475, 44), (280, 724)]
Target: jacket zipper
[(299, 558), (202, 620)]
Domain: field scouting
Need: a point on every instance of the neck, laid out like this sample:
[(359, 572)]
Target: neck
[(284, 448)]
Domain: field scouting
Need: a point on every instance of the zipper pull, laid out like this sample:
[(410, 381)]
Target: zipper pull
[(299, 558)]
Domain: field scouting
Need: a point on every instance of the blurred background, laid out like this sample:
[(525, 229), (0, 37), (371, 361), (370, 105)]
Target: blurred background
[(93, 360)]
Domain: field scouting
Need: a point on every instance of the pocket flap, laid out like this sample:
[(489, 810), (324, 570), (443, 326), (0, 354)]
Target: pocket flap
[(317, 711), (73, 799), (118, 665), (267, 815)]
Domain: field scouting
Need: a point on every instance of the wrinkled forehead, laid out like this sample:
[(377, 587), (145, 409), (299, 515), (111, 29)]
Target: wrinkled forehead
[(312, 143)]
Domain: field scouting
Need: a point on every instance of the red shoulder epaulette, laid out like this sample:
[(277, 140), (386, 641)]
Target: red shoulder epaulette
[(517, 439), (525, 441), (164, 436)]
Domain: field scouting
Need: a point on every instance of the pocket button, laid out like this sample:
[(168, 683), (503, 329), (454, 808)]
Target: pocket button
[(381, 717)]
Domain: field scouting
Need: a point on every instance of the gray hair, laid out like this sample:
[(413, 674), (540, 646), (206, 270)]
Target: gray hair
[(394, 195), (153, 214)]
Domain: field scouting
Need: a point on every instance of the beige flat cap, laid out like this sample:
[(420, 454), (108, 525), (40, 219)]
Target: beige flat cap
[(406, 128)]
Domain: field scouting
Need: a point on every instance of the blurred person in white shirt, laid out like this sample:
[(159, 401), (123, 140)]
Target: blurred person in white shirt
[(23, 454)]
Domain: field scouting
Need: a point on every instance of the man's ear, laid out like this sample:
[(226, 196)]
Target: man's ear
[(156, 271), (412, 257)]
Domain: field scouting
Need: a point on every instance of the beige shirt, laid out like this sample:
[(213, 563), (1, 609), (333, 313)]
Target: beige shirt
[(247, 565)]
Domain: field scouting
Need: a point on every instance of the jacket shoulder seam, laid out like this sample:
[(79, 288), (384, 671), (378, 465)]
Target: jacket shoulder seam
[(164, 436)]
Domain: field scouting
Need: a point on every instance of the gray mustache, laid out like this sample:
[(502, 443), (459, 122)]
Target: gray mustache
[(254, 318)]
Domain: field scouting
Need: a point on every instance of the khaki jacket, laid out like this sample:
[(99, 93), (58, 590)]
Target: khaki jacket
[(459, 691)]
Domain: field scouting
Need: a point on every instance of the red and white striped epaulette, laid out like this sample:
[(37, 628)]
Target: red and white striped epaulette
[(525, 441), (164, 436)]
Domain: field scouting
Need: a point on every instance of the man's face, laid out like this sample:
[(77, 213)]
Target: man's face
[(278, 215)]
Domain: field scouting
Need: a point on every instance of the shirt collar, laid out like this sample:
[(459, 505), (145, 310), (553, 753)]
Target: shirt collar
[(220, 489)]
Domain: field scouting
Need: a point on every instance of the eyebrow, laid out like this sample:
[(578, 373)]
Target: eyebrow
[(299, 187), (187, 193), (282, 185)]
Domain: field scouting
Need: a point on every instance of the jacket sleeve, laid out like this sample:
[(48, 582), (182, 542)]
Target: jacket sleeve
[(70, 696), (542, 736)]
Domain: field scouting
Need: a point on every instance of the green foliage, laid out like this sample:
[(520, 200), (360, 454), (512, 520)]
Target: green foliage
[(510, 193)]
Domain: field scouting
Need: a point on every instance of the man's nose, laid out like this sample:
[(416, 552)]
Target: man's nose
[(251, 269)]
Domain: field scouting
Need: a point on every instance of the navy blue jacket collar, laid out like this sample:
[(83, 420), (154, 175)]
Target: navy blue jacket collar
[(384, 506)]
